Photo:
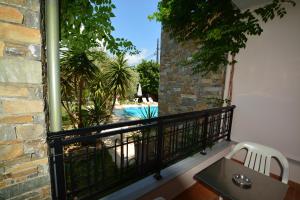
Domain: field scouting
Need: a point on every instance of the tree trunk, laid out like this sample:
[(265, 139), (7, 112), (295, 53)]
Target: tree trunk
[(114, 101), (80, 102), (71, 115)]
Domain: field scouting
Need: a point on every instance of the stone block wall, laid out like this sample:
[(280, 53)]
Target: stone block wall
[(179, 89), (23, 149)]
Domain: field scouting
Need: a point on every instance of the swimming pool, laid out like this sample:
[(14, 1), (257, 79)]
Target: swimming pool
[(136, 111)]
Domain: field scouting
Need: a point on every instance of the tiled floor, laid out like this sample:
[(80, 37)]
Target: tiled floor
[(197, 192), (200, 192)]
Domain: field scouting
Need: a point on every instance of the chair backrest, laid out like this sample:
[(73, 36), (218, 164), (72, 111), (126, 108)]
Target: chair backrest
[(150, 99), (259, 157), (144, 100)]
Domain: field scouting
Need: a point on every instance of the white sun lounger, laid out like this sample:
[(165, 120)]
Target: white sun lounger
[(150, 100), (144, 100)]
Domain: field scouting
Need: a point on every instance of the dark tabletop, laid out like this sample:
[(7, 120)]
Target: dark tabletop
[(218, 176)]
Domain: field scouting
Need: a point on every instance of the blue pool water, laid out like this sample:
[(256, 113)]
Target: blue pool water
[(137, 112)]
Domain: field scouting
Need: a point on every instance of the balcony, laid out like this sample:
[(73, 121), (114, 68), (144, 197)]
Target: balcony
[(97, 161)]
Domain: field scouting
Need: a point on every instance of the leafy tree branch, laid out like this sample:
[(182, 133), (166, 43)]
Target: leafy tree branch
[(219, 26), (87, 23)]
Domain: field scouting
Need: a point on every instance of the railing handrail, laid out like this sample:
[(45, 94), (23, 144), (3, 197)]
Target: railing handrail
[(98, 129), (107, 134)]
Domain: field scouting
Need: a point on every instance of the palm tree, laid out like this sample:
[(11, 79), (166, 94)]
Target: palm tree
[(77, 72), (119, 77), (101, 98)]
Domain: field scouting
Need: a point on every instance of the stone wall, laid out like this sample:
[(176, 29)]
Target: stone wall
[(179, 89), (23, 148)]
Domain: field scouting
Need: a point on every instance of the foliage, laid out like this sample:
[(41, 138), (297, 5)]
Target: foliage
[(76, 72), (85, 24), (90, 79), (219, 26), (118, 76), (90, 83), (101, 98), (148, 112), (149, 77), (85, 95), (131, 92), (217, 102)]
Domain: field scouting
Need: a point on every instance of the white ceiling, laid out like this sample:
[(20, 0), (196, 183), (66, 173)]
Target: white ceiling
[(244, 4)]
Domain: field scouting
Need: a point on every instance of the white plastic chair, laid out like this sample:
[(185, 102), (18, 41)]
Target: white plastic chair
[(259, 157)]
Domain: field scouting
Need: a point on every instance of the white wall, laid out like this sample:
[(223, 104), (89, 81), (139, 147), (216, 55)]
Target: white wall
[(266, 89)]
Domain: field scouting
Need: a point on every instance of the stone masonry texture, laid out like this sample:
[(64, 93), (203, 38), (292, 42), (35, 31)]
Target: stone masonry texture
[(24, 167), (179, 89)]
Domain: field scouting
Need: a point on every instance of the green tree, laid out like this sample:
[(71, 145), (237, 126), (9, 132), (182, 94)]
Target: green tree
[(77, 72), (101, 98), (132, 90), (219, 26), (149, 77), (119, 77), (87, 23)]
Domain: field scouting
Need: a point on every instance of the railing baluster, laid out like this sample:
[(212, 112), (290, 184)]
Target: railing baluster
[(102, 161), (122, 156), (230, 125), (147, 147), (219, 124), (60, 181), (72, 182), (170, 142), (189, 135), (195, 133), (185, 134), (173, 141), (115, 152), (177, 132), (182, 138), (88, 163), (142, 156), (159, 150), (204, 135), (127, 160), (137, 156), (96, 175)]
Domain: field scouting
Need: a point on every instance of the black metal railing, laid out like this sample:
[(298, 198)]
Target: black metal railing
[(92, 162)]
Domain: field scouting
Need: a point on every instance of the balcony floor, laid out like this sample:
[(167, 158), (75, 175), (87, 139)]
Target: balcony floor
[(197, 192), (200, 192)]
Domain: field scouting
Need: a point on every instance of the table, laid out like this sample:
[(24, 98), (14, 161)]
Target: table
[(218, 176)]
